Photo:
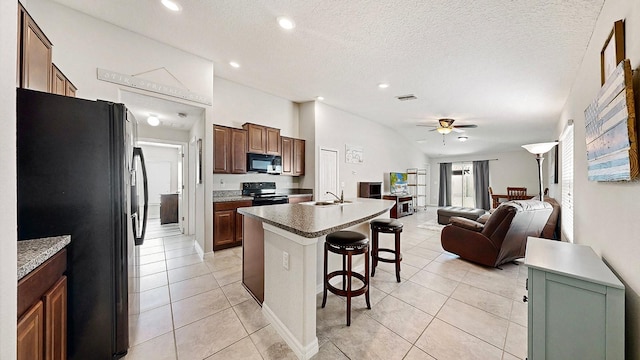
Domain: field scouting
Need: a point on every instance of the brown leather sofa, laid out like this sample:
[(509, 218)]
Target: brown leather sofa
[(502, 238)]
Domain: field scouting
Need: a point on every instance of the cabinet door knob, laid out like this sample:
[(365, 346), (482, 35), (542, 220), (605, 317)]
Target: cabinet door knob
[(525, 298)]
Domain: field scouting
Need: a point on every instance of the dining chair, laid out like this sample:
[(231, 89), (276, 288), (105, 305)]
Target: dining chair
[(517, 193)]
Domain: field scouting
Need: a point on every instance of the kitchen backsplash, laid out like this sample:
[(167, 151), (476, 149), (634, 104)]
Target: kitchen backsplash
[(234, 181)]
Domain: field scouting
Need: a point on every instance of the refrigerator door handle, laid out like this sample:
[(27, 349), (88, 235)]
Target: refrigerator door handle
[(138, 152)]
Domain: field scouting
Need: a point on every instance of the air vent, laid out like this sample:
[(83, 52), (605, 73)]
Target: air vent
[(406, 97)]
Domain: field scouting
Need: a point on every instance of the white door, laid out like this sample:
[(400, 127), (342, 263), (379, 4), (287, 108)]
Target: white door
[(328, 174)]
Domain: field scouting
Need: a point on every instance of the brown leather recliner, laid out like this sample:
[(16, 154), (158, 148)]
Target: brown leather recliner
[(502, 238)]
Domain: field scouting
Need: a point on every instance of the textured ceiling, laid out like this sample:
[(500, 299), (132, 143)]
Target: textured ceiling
[(505, 65)]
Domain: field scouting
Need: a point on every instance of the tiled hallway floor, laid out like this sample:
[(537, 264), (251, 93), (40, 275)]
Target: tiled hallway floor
[(444, 308)]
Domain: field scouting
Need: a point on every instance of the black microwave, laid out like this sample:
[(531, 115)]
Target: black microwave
[(267, 164)]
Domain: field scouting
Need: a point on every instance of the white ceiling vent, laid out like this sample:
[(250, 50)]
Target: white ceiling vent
[(406, 97)]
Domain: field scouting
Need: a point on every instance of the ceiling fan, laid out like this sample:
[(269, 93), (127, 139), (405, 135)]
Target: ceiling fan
[(445, 126)]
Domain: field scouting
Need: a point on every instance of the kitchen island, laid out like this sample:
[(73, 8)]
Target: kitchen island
[(292, 260)]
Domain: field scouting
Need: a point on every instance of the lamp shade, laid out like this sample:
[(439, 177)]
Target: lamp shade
[(540, 148), (443, 130)]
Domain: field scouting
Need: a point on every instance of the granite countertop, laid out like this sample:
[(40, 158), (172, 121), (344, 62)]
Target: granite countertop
[(32, 253), (313, 221), (220, 199)]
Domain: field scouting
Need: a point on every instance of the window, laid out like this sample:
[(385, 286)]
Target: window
[(566, 146)]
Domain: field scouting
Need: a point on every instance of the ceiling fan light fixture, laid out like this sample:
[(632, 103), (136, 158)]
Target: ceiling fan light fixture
[(444, 130)]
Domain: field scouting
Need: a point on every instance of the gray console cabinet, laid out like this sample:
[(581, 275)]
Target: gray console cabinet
[(576, 303)]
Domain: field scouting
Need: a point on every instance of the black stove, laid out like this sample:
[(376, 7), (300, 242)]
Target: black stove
[(263, 193)]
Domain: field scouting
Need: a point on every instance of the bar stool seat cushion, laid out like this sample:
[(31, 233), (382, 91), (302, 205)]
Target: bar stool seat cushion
[(386, 224), (347, 239)]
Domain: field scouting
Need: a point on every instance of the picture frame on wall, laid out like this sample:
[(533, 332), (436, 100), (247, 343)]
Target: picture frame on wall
[(613, 51)]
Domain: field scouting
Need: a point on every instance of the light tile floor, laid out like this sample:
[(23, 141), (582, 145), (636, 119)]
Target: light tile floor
[(444, 308)]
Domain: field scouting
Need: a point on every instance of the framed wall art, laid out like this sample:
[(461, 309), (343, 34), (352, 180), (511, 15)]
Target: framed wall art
[(612, 52), (610, 119)]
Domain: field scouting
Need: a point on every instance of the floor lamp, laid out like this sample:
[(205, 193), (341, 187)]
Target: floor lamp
[(538, 150)]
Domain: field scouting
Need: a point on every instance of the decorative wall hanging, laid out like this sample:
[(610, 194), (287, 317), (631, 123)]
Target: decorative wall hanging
[(354, 154), (612, 52), (199, 164), (610, 120), (138, 83)]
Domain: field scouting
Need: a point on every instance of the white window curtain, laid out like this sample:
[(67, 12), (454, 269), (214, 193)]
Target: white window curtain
[(566, 146)]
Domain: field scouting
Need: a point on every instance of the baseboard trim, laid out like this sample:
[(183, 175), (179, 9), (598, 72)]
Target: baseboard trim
[(302, 352)]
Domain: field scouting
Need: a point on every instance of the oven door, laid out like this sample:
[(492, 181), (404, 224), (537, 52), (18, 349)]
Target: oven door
[(258, 201)]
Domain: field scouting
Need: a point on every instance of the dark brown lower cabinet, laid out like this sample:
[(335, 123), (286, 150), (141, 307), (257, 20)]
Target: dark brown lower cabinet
[(227, 224), (30, 333), (253, 258), (42, 311), (168, 208)]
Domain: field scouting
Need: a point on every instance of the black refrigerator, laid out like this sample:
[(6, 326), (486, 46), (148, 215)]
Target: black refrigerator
[(79, 174)]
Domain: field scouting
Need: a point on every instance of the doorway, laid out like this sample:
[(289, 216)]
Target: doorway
[(176, 123), (462, 186), (165, 184), (327, 174)]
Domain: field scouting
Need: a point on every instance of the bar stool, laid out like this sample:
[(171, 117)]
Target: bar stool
[(388, 226), (347, 244)]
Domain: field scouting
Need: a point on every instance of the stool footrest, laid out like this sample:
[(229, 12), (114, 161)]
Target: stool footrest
[(341, 292), (384, 259)]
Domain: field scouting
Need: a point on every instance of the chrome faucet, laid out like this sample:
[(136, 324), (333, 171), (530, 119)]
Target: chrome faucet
[(340, 199)]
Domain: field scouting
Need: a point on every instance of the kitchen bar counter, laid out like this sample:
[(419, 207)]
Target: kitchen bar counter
[(32, 253), (312, 221), (293, 239), (221, 199)]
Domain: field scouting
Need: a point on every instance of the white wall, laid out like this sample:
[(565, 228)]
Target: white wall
[(8, 220), (81, 44), (384, 149), (161, 133), (516, 168), (234, 105), (308, 132), (606, 214)]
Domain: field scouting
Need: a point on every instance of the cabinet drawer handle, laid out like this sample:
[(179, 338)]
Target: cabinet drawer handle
[(525, 298)]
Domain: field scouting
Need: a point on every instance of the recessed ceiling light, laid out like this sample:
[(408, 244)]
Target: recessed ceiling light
[(286, 23), (463, 138), (234, 64), (383, 85), (153, 121), (319, 98), (171, 5)]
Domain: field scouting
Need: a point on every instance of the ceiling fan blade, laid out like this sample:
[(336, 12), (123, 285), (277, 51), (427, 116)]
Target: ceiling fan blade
[(434, 129), (457, 130), (470, 126)]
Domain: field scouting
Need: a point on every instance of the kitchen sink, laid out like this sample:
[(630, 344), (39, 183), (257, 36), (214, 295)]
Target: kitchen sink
[(326, 203)]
